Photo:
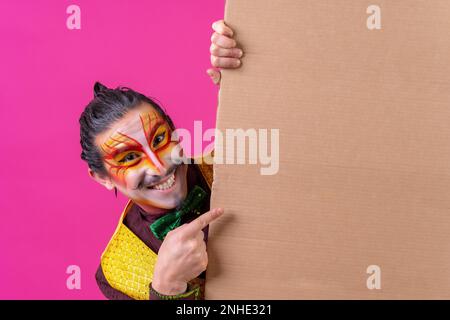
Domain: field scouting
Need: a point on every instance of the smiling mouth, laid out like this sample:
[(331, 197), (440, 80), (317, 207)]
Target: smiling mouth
[(166, 184)]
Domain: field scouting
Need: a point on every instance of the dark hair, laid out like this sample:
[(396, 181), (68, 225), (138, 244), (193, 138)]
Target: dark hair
[(108, 106)]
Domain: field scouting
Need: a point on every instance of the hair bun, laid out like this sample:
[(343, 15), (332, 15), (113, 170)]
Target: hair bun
[(98, 88)]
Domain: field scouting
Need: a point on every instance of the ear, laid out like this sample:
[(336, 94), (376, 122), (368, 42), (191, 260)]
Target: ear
[(103, 180)]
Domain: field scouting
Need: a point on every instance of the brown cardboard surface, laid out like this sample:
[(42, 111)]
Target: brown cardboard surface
[(364, 174)]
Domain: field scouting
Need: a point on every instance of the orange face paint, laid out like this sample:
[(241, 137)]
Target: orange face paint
[(137, 154)]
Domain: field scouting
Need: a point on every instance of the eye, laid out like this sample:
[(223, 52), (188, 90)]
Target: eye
[(129, 157), (158, 139)]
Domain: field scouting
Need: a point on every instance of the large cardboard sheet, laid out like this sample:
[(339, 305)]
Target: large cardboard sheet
[(360, 205)]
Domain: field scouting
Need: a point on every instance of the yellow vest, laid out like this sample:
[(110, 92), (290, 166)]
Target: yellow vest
[(127, 262)]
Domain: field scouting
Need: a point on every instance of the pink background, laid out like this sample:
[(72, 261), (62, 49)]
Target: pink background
[(53, 214)]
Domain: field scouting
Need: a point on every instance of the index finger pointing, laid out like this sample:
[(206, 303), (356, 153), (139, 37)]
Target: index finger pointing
[(222, 28), (205, 219)]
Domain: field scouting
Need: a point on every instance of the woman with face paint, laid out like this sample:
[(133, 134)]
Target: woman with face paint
[(158, 250)]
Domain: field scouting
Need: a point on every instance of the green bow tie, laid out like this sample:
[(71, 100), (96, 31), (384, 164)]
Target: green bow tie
[(172, 220)]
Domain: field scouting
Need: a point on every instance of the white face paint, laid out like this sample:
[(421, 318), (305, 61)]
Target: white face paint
[(137, 151)]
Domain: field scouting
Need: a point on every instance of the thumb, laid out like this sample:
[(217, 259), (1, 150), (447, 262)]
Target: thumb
[(215, 75)]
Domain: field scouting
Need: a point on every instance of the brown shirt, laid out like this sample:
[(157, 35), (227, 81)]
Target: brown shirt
[(138, 221)]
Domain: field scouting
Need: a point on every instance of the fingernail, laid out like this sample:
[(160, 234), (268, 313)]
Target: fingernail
[(238, 62), (240, 53)]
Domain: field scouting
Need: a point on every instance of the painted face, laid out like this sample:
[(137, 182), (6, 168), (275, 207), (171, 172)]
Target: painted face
[(137, 152)]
